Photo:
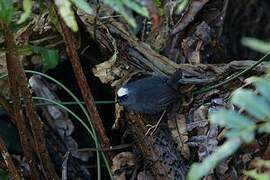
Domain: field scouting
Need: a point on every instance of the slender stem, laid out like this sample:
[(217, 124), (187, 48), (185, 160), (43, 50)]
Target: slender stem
[(69, 111), (92, 134), (226, 81), (73, 103)]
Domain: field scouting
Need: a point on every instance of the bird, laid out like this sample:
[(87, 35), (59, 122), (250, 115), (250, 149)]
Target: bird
[(151, 94)]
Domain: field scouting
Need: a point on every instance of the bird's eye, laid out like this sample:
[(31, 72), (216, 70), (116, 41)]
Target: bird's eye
[(124, 97)]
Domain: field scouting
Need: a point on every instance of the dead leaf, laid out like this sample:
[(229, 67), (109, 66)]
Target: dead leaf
[(123, 164), (179, 133)]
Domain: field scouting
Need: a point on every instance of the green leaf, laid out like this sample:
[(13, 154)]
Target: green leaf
[(120, 7), (50, 57), (27, 7), (264, 127), (67, 14), (82, 4), (262, 162), (239, 125), (230, 119), (157, 3), (181, 6), (253, 174), (136, 7), (246, 134), (257, 45), (6, 10), (4, 175), (262, 84), (256, 105), (198, 170)]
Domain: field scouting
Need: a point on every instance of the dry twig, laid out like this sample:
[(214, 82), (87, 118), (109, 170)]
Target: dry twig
[(7, 158)]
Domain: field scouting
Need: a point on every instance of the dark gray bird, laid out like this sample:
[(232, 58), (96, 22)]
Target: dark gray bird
[(149, 95)]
